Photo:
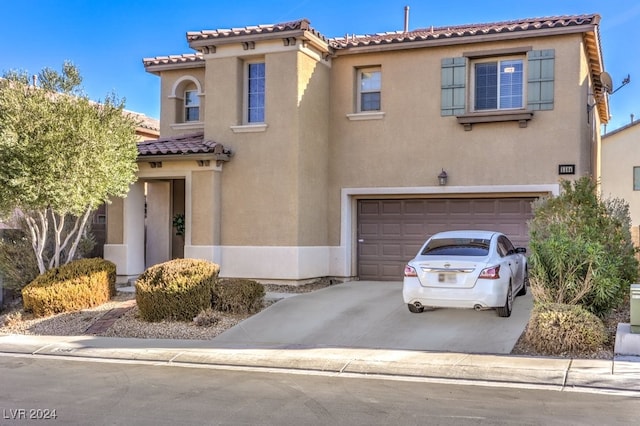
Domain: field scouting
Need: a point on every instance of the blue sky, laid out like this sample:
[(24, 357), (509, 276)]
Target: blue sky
[(107, 39)]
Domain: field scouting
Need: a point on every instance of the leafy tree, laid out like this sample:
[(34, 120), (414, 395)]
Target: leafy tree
[(581, 249), (61, 156)]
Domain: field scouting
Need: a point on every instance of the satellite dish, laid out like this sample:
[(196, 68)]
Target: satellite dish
[(607, 83)]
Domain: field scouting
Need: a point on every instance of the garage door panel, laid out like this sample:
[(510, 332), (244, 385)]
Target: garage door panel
[(391, 272), (484, 207), (413, 230), (511, 207), (394, 230), (460, 207), (414, 207), (391, 207), (371, 250), (392, 250), (369, 229), (436, 207), (368, 208)]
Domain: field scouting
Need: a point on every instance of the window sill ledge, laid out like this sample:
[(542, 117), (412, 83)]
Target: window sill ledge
[(359, 116), (521, 116), (189, 125), (249, 128)]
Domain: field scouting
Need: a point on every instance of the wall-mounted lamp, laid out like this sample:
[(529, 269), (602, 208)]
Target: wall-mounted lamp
[(442, 178)]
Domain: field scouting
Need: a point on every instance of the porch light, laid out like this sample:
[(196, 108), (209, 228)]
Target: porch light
[(442, 178)]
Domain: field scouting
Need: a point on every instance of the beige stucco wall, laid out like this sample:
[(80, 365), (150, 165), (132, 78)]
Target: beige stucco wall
[(273, 189), (115, 219), (204, 184), (172, 107), (617, 167)]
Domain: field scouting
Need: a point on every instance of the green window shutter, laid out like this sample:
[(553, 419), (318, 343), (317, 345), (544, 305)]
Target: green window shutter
[(454, 75), (540, 79)]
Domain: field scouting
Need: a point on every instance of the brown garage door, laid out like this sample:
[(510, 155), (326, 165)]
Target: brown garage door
[(390, 232)]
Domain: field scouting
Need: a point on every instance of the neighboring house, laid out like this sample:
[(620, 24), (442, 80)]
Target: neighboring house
[(620, 176), (294, 156)]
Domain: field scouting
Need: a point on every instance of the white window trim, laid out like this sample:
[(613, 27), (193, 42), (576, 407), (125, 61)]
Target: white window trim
[(184, 104), (359, 92), (245, 94), (498, 59), (180, 81), (189, 125), (249, 128), (367, 115)]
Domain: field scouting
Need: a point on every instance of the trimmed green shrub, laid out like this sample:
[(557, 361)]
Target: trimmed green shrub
[(18, 265), (556, 329), (238, 296), (581, 249), (78, 285), (176, 290)]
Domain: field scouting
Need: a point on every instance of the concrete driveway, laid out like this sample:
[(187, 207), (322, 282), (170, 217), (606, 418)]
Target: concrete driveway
[(372, 314)]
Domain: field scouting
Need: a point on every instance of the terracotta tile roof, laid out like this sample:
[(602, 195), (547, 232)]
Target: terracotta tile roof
[(187, 58), (179, 145), (300, 24), (469, 30)]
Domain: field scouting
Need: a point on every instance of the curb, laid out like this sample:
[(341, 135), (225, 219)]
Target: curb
[(504, 370)]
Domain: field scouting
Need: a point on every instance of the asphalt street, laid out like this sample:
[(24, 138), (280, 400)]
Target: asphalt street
[(109, 393)]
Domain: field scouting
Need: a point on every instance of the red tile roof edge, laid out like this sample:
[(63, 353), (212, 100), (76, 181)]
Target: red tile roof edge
[(193, 143)]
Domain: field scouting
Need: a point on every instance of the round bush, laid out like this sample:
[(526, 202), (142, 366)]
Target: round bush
[(238, 296), (556, 329), (176, 290), (78, 285)]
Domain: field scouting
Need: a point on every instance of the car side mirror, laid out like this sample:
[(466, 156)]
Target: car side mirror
[(521, 250)]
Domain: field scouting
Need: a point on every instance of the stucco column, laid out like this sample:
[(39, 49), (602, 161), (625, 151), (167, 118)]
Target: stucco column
[(203, 217), (126, 248)]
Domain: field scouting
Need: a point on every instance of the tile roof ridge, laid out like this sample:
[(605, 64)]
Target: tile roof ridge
[(350, 40), (165, 59), (510, 22), (303, 24)]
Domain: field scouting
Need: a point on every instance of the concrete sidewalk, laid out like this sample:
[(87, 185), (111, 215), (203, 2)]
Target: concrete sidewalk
[(552, 373)]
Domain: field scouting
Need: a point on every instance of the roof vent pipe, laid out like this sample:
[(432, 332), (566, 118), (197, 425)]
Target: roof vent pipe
[(406, 19), (632, 117)]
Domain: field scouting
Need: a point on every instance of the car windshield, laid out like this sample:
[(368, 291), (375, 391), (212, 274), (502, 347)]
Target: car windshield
[(457, 247)]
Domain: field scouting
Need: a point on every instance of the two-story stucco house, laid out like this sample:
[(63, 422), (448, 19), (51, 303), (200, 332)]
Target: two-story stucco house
[(294, 156)]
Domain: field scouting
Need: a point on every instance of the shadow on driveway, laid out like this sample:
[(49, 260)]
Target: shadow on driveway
[(372, 314)]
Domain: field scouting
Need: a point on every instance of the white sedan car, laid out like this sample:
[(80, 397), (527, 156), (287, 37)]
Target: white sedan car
[(466, 269)]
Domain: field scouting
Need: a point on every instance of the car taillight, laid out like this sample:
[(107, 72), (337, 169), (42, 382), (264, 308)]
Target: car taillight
[(492, 273), (410, 271)]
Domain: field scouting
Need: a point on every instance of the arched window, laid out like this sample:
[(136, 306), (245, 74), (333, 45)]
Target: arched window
[(186, 92)]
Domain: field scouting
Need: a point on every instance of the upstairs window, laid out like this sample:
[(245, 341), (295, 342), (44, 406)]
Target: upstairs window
[(499, 85), (255, 92), (369, 86), (636, 178), (191, 106), (480, 83)]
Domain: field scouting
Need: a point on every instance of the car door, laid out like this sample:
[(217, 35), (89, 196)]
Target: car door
[(514, 260)]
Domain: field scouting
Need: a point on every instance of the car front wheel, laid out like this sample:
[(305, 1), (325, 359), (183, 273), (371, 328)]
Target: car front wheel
[(505, 311)]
